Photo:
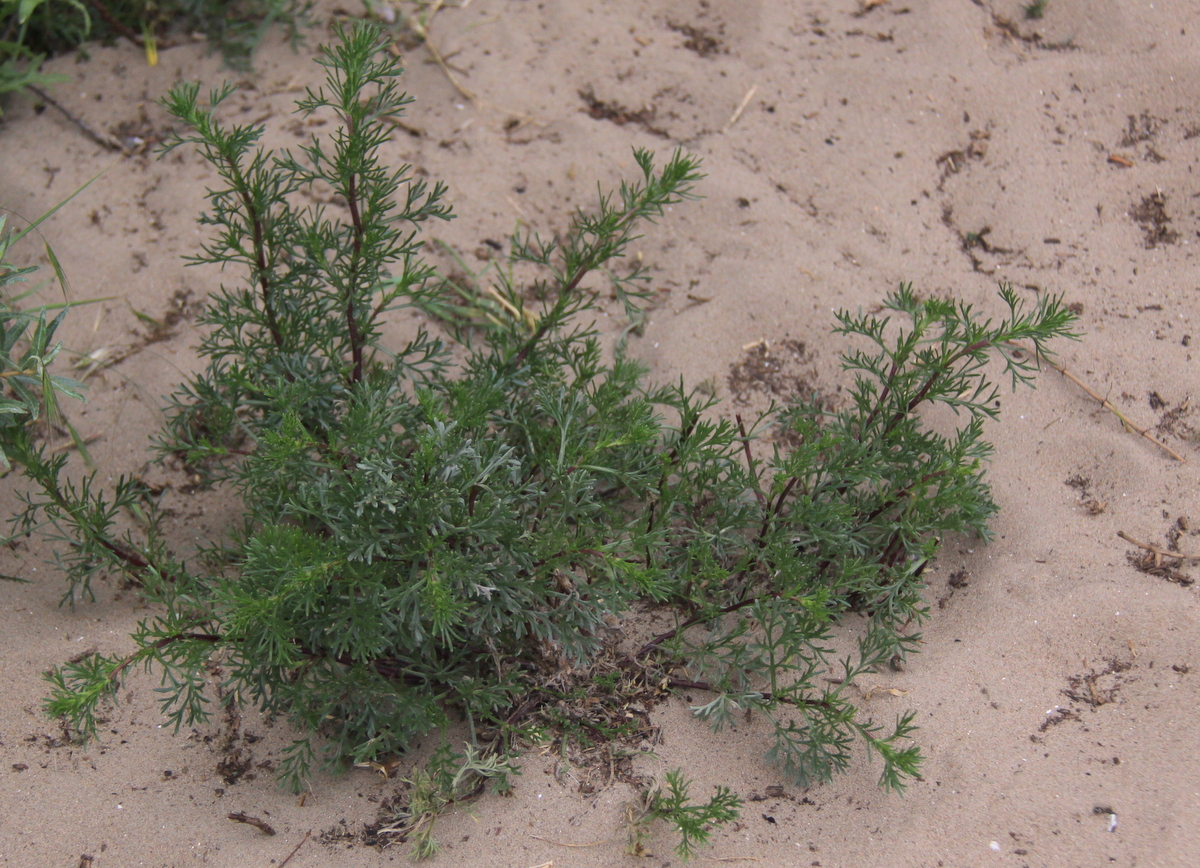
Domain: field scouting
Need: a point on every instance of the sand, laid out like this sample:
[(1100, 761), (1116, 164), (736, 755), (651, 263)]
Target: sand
[(848, 147)]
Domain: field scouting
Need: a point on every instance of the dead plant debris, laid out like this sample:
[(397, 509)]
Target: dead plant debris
[(1142, 127), (703, 42), (781, 370), (1083, 484), (953, 162), (1179, 421), (1097, 688), (1093, 689), (1151, 215), (593, 721), (257, 822), (958, 580), (619, 114), (1165, 563), (1012, 30), (1059, 715)]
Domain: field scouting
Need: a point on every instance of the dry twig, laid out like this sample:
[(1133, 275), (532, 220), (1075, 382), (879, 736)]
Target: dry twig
[(1107, 405), (422, 30), (296, 849), (1158, 553), (99, 138), (565, 844), (421, 26), (257, 822), (737, 113)]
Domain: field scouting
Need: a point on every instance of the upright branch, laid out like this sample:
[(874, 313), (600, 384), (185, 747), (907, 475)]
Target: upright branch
[(252, 208), (361, 89), (352, 330), (260, 255), (600, 237)]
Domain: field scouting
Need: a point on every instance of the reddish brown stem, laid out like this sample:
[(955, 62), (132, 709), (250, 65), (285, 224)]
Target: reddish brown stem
[(690, 622), (762, 500), (787, 489), (916, 399), (900, 495), (682, 684), (130, 557), (570, 287), (356, 343), (161, 643), (887, 390), (260, 257), (289, 856)]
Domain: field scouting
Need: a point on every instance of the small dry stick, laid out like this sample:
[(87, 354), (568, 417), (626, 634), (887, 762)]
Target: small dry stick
[(1107, 405), (565, 844), (71, 444), (445, 67), (296, 849), (737, 113), (99, 138), (258, 823), (422, 30), (1158, 553)]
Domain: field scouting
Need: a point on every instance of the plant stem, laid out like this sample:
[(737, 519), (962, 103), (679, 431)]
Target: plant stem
[(547, 321), (762, 500), (158, 645), (767, 696), (102, 140), (352, 330), (692, 622), (883, 396), (260, 255)]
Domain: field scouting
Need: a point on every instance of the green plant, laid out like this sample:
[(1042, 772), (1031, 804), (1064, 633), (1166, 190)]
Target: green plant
[(845, 519), (30, 389), (425, 535), (20, 65), (234, 29), (44, 26), (77, 515), (32, 30), (448, 778), (674, 807), (1035, 9)]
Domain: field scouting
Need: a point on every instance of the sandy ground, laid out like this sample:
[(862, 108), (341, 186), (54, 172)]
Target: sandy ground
[(848, 147)]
